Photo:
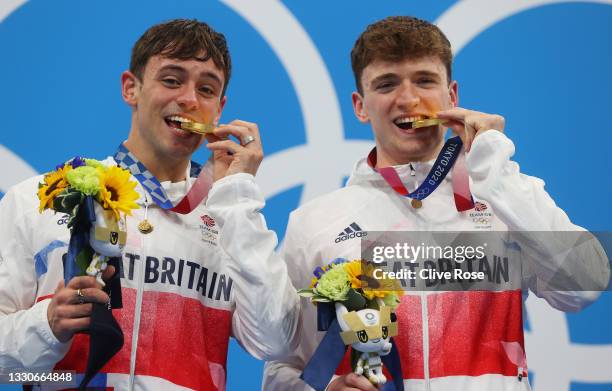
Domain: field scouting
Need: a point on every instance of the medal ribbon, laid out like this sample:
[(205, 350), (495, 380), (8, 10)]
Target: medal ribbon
[(449, 157), (198, 191)]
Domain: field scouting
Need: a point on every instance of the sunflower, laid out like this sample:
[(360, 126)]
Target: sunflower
[(361, 276), (117, 191), (353, 269), (388, 289), (53, 183)]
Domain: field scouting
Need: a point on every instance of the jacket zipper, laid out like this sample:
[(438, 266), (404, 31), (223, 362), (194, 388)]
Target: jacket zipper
[(425, 318), (138, 305)]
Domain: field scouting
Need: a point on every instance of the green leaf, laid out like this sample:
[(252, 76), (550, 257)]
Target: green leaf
[(320, 299), (391, 300), (72, 198), (306, 292), (74, 216), (67, 200), (354, 301)]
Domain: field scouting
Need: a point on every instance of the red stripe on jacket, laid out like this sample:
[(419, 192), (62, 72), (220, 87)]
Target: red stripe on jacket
[(178, 339), (466, 331)]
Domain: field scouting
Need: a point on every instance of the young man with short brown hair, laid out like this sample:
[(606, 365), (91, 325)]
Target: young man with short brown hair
[(447, 341), (190, 278)]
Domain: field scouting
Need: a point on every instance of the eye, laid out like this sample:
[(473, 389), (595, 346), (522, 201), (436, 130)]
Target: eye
[(426, 81), (207, 91), (170, 82), (362, 336), (385, 332), (385, 86)]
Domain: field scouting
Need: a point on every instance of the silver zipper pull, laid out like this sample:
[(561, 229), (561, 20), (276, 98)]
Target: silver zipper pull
[(520, 374)]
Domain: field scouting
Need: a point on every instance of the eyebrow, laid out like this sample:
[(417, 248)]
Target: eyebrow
[(386, 76), (180, 69), (392, 76), (427, 73)]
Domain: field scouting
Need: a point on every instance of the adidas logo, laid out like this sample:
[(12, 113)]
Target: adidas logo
[(350, 232)]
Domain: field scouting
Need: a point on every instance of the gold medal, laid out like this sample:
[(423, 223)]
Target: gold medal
[(197, 127), (426, 122), (145, 227), (416, 204)]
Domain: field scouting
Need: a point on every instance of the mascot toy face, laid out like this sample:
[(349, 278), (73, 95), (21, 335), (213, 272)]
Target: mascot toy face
[(367, 330), (371, 335)]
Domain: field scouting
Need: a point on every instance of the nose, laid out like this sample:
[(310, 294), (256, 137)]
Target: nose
[(188, 98), (407, 97)]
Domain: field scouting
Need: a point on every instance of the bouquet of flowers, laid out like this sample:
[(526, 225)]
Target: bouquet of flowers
[(355, 309), (71, 189), (351, 283)]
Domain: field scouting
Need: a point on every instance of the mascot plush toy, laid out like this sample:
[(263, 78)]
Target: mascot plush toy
[(368, 332)]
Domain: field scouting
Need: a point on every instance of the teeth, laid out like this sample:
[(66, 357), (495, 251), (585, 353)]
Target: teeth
[(179, 119), (409, 119)]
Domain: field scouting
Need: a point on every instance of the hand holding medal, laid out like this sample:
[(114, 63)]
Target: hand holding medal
[(468, 124), (231, 157)]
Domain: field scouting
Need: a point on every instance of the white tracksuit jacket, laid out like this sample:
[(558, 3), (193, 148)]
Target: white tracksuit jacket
[(186, 287), (448, 341)]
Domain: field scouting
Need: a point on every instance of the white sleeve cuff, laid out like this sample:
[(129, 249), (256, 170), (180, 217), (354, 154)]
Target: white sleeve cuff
[(43, 327), (41, 347)]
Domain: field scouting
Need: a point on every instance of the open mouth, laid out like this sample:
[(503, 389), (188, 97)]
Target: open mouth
[(417, 121), (177, 121)]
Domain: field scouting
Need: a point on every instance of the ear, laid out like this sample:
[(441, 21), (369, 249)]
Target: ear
[(129, 88), (340, 311), (359, 108), (220, 109), (453, 90)]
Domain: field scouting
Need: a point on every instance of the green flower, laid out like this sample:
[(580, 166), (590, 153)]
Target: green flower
[(94, 163), (85, 179), (334, 284)]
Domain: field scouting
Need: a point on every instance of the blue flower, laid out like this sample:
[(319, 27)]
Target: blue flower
[(77, 162), (318, 272)]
